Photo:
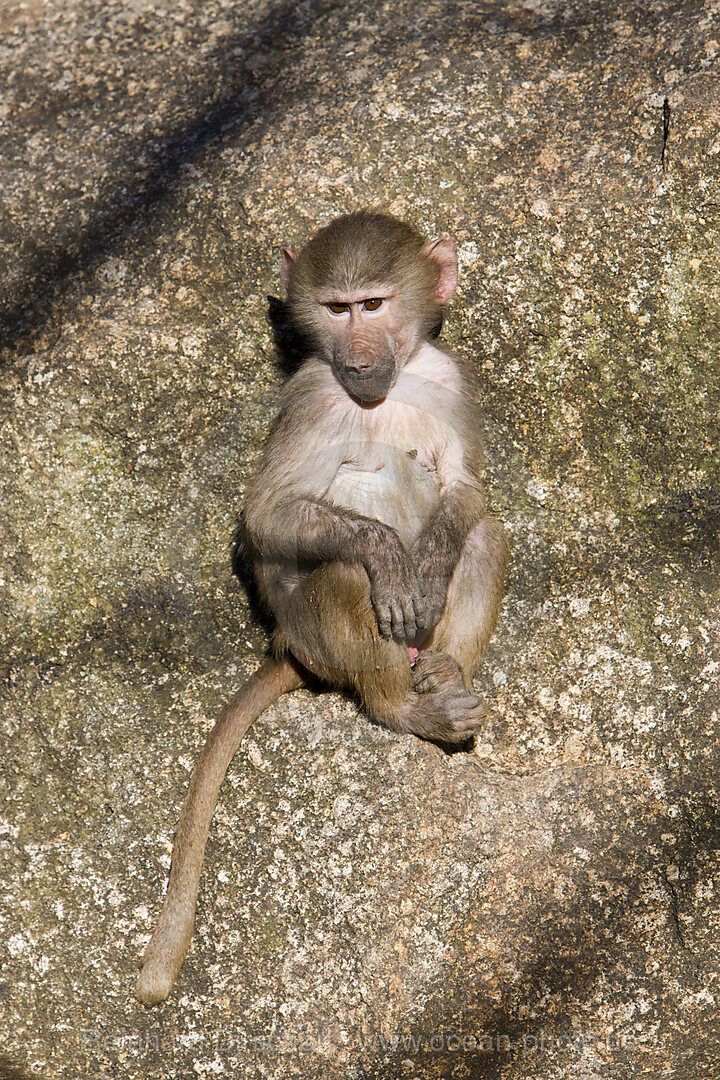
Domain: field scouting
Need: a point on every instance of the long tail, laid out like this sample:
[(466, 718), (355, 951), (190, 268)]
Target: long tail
[(171, 940)]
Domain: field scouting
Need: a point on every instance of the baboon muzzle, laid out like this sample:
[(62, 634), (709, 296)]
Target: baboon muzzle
[(366, 372)]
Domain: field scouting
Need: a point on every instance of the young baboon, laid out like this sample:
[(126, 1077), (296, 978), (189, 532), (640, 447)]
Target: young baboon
[(365, 521)]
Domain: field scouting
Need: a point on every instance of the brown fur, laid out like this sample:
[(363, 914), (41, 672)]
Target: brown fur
[(365, 521)]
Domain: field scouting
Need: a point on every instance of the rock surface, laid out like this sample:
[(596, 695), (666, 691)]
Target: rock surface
[(370, 907)]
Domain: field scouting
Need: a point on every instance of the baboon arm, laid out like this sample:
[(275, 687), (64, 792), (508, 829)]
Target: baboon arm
[(284, 512), (443, 538), (286, 515), (438, 548)]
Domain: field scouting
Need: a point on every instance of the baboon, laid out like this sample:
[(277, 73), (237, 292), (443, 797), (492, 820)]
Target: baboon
[(364, 519)]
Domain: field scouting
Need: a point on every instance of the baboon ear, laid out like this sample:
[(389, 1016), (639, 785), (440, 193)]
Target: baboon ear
[(443, 254), (287, 259)]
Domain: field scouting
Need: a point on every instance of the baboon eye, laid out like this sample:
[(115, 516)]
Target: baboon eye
[(374, 304), (338, 309)]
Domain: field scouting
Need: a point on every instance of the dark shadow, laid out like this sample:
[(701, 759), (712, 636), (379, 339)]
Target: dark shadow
[(688, 520), (291, 345), (573, 946), (235, 86), (242, 567), (12, 1070), (133, 196)]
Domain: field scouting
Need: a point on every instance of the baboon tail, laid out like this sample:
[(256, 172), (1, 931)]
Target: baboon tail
[(171, 940)]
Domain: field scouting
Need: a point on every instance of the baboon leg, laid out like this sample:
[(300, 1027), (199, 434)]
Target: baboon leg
[(329, 624)]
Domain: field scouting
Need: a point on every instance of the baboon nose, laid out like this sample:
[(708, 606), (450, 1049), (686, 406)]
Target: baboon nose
[(358, 360)]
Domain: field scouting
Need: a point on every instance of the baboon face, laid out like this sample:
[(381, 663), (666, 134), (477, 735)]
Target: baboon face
[(368, 291)]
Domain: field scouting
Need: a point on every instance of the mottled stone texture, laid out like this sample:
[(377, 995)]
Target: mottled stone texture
[(371, 907)]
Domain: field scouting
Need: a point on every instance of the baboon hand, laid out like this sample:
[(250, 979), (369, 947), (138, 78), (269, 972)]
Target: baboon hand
[(397, 594), (433, 573), (434, 587)]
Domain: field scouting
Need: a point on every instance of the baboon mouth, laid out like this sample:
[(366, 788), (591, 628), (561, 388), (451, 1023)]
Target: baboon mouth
[(368, 388)]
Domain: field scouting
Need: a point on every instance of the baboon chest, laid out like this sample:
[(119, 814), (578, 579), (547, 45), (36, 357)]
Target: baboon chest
[(397, 485)]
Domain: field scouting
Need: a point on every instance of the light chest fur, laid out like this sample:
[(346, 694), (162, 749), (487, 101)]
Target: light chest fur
[(396, 456)]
